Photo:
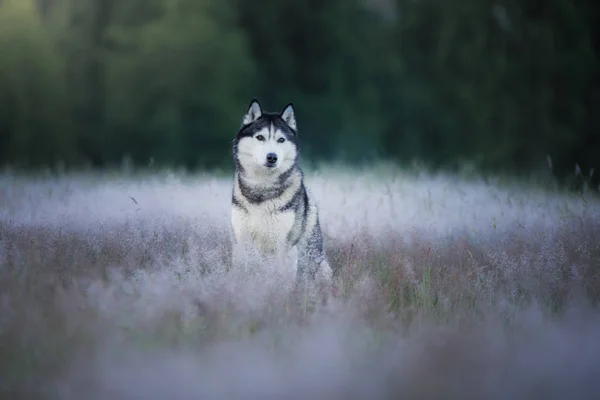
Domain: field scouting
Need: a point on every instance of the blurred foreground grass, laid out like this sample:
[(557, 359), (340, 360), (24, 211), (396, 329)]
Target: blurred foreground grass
[(114, 286)]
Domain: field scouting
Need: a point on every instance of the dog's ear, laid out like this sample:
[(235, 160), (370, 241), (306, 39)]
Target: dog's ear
[(254, 112), (289, 116)]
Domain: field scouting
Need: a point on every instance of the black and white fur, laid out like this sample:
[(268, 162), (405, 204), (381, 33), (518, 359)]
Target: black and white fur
[(272, 211)]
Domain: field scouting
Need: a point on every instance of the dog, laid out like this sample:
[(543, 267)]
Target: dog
[(272, 212)]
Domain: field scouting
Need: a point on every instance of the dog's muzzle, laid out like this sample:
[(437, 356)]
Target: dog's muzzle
[(271, 160)]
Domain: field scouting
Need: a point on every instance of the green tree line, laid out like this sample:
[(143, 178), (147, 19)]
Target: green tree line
[(501, 85)]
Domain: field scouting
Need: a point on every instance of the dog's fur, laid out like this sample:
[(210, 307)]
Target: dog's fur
[(272, 211)]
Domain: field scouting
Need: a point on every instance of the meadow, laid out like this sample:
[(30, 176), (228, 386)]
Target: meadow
[(116, 285)]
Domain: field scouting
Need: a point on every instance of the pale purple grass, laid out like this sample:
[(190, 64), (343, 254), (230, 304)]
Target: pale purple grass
[(115, 286)]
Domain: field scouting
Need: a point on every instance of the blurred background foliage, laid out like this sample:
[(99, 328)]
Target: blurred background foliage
[(500, 85)]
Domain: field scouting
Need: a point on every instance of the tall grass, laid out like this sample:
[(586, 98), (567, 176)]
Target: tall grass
[(115, 285)]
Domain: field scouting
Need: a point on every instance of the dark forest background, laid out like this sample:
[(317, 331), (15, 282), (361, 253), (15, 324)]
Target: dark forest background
[(501, 85)]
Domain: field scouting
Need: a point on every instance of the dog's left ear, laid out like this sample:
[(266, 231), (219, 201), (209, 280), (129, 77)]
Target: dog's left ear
[(289, 116), (254, 112)]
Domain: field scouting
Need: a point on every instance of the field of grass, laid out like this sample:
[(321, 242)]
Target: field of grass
[(115, 286)]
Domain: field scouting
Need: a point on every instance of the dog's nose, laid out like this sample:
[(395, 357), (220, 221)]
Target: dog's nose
[(271, 158)]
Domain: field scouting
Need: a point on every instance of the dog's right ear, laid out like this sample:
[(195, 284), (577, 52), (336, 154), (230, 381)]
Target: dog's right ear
[(254, 112)]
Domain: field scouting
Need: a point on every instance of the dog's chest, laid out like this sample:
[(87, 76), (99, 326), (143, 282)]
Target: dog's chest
[(266, 228)]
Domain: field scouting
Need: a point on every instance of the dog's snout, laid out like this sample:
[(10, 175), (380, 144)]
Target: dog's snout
[(271, 158)]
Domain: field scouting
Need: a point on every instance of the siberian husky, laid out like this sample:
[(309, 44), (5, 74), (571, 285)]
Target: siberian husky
[(273, 214)]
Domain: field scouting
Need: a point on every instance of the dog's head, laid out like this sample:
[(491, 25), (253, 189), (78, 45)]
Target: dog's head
[(266, 142)]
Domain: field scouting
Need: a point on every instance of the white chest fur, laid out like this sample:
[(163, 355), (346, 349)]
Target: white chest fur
[(262, 227)]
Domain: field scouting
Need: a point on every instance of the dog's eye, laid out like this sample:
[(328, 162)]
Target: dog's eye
[(280, 140), (260, 137)]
